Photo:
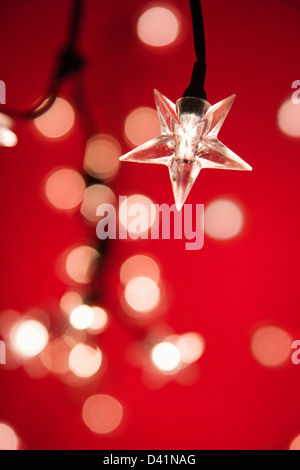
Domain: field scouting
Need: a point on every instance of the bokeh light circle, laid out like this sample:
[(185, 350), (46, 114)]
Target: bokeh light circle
[(69, 301), (64, 188), (158, 27), (85, 361), (8, 438), (99, 322), (288, 118), (142, 294), (137, 214), (29, 338), (101, 159), (166, 357), (295, 444), (102, 413), (94, 196), (7, 137), (141, 125), (55, 356), (191, 347), (82, 317), (57, 121), (81, 263), (224, 219), (271, 346), (139, 265)]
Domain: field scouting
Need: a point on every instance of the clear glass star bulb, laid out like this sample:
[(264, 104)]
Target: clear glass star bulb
[(7, 137), (188, 142)]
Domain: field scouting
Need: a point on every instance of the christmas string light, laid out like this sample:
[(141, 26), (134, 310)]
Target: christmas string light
[(189, 130)]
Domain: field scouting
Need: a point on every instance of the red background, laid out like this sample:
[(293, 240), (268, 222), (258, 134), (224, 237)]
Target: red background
[(226, 290)]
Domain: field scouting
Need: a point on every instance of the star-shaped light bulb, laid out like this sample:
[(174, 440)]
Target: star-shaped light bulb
[(7, 137), (188, 142)]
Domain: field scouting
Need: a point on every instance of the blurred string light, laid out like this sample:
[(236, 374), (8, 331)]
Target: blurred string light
[(139, 265), (94, 196), (137, 214), (223, 219), (288, 118), (166, 357), (8, 438), (7, 137), (57, 121), (55, 356), (142, 294), (70, 352), (141, 125), (191, 347), (85, 361), (82, 317), (271, 346), (101, 158), (69, 301), (64, 188), (81, 263), (28, 338), (100, 321), (102, 413), (158, 27), (176, 352), (295, 444)]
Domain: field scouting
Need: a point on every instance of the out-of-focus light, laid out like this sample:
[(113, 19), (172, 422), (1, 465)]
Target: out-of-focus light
[(55, 356), (166, 357), (94, 196), (29, 338), (141, 125), (64, 188), (82, 317), (224, 219), (139, 265), (102, 413), (85, 361), (8, 438), (142, 294), (101, 159), (137, 214), (74, 336), (158, 27), (57, 121), (288, 118), (295, 444), (99, 322), (7, 137), (81, 264), (271, 346), (191, 347), (69, 301)]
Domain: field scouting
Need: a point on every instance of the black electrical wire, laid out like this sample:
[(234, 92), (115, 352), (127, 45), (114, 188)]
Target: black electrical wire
[(75, 25), (198, 29), (68, 62), (196, 86)]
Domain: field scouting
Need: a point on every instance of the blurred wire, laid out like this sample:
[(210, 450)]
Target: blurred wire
[(68, 62)]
